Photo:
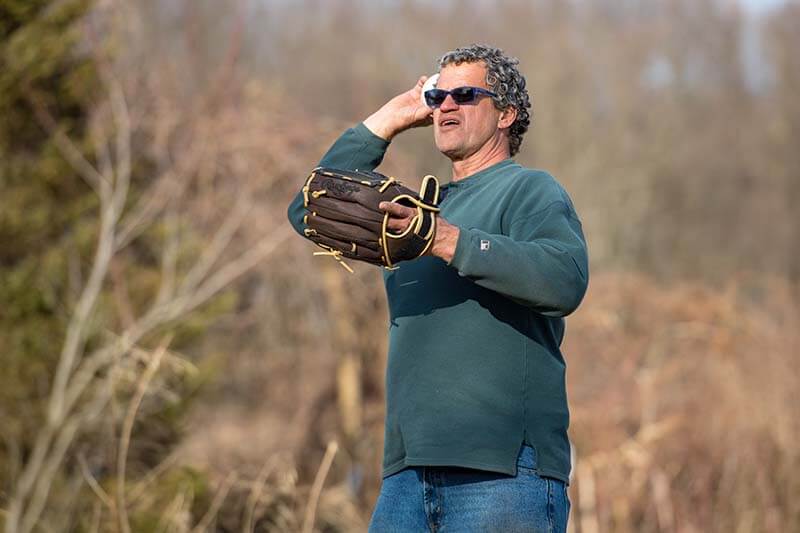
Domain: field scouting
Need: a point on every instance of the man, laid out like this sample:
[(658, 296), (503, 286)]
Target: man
[(476, 407)]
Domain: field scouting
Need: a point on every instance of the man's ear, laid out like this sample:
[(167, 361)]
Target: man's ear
[(507, 117)]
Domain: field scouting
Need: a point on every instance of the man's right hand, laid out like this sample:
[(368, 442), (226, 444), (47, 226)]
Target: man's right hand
[(402, 112)]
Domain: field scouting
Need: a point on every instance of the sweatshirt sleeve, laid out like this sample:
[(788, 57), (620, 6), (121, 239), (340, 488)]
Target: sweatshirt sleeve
[(542, 263), (357, 149)]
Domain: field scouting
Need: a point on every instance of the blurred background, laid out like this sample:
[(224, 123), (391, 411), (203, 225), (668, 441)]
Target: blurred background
[(174, 358)]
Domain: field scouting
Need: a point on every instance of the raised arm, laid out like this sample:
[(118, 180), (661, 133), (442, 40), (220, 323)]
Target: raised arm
[(403, 112), (363, 146)]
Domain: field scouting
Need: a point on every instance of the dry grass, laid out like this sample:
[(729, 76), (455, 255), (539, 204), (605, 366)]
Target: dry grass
[(683, 403)]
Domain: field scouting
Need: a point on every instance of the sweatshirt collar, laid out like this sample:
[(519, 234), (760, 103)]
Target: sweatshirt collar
[(476, 177)]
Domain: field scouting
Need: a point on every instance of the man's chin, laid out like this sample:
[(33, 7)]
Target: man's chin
[(453, 153)]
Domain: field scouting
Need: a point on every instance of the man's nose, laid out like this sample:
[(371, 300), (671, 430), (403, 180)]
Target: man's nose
[(449, 104)]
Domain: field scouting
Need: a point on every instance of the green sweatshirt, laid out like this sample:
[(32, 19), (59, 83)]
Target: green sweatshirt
[(474, 367)]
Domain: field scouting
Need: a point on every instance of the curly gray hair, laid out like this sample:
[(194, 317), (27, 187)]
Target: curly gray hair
[(503, 77)]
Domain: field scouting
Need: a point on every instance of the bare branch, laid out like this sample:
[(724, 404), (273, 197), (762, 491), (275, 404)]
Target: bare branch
[(28, 478), (121, 295), (101, 494), (232, 270), (166, 312), (316, 488), (64, 438), (168, 186), (79, 323), (100, 141), (97, 513), (216, 503), (44, 482), (255, 493), (127, 429), (176, 361), (169, 258), (111, 209), (82, 379), (74, 277), (139, 489), (217, 245), (32, 472), (119, 108), (67, 148)]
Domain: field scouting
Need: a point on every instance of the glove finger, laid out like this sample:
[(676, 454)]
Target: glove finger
[(349, 250), (429, 190), (350, 212), (347, 190), (334, 191), (344, 232)]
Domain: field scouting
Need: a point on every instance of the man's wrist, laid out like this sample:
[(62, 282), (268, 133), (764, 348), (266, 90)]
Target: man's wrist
[(446, 239), (381, 124)]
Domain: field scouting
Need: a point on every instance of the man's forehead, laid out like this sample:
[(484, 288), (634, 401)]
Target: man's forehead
[(454, 75)]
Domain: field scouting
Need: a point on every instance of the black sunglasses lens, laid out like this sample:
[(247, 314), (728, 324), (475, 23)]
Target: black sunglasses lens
[(463, 95), (435, 97)]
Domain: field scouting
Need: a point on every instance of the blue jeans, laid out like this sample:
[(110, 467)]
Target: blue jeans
[(452, 499)]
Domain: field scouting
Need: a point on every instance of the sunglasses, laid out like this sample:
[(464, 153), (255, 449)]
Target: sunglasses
[(461, 95)]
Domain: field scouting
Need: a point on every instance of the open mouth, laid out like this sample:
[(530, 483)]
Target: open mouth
[(448, 122)]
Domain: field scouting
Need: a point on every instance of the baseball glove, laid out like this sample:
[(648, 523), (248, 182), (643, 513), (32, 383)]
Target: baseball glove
[(343, 216)]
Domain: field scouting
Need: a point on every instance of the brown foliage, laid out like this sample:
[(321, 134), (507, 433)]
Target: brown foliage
[(682, 370), (683, 399)]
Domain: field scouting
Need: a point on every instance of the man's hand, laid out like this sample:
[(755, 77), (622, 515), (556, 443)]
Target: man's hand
[(402, 112), (445, 240)]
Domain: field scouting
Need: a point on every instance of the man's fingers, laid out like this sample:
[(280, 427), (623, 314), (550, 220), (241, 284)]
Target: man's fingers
[(397, 224), (399, 215), (397, 210)]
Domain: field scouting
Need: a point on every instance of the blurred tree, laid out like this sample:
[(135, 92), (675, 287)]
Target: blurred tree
[(104, 261), (782, 157), (46, 225)]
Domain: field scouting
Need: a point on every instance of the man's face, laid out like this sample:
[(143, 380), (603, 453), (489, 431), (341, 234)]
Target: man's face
[(461, 130)]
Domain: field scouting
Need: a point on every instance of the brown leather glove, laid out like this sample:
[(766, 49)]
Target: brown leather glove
[(343, 216)]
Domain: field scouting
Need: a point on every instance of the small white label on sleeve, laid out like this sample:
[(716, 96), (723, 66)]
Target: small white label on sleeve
[(484, 245)]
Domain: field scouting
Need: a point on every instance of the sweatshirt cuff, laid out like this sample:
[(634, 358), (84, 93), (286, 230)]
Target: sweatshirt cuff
[(366, 135), (468, 243)]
